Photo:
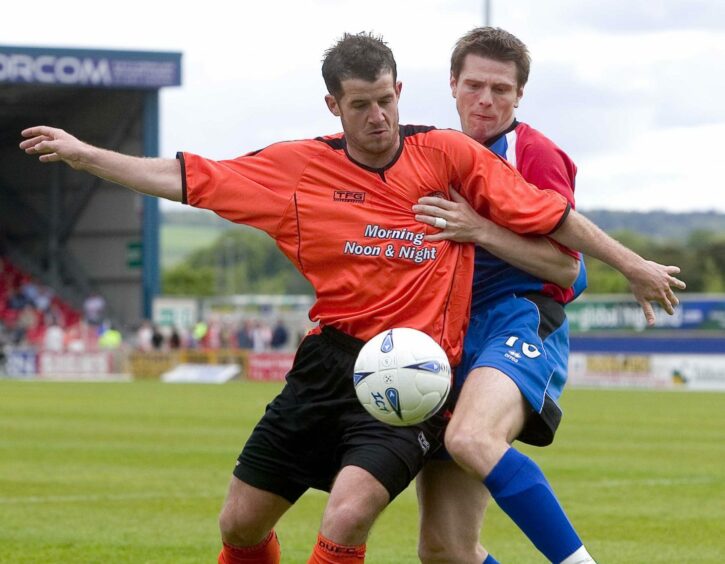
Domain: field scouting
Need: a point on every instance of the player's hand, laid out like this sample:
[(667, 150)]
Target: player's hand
[(654, 282), (52, 145), (462, 222)]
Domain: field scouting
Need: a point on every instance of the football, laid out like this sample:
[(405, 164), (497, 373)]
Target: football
[(402, 376)]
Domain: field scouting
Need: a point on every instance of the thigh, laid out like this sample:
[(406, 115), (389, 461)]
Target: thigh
[(296, 444), (452, 504), (356, 500), (526, 339), (392, 455), (491, 405)]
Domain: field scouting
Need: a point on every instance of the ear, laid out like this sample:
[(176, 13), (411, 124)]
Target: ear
[(519, 95), (332, 105), (398, 88), (454, 85)]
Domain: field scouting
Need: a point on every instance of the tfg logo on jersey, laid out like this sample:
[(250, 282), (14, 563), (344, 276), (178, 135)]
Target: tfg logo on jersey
[(349, 196), (530, 351)]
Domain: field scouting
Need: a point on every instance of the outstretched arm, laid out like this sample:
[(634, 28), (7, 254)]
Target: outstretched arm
[(153, 177), (535, 255), (649, 281)]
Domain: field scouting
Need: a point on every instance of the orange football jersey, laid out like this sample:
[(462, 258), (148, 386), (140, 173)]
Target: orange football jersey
[(350, 229)]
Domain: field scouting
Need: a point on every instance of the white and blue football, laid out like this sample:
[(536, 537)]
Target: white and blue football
[(402, 376)]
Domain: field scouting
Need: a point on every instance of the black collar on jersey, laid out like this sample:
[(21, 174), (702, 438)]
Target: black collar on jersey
[(495, 138), (404, 130)]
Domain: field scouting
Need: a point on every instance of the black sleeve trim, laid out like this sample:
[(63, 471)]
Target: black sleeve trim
[(563, 218), (180, 156)]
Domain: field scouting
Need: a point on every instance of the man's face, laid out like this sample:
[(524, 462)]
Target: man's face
[(369, 115), (486, 94)]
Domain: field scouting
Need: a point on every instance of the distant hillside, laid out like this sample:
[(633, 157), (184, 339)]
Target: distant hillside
[(196, 244), (183, 232), (193, 218), (658, 224)]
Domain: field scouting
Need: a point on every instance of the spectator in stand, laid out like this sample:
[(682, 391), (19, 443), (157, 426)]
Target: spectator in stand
[(213, 337), (43, 301), (244, 335), (280, 335), (16, 300), (157, 338), (30, 290), (143, 336), (111, 338), (228, 335), (94, 309), (261, 336), (26, 322), (81, 337), (198, 334), (174, 339), (54, 338)]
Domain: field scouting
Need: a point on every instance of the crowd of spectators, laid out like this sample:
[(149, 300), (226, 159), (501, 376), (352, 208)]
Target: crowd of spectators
[(31, 315), (216, 333)]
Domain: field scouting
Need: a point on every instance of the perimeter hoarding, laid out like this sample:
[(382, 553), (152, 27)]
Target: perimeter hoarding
[(706, 313)]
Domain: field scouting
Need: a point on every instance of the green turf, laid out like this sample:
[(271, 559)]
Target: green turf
[(135, 473)]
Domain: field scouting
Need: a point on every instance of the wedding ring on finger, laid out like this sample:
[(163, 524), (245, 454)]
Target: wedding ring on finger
[(440, 223)]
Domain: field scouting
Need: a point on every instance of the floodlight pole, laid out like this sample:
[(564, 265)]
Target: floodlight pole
[(487, 12)]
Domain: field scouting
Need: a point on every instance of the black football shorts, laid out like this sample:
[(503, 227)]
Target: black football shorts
[(316, 426)]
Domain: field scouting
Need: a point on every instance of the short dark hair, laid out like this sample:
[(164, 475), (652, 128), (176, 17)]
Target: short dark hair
[(360, 55), (492, 43)]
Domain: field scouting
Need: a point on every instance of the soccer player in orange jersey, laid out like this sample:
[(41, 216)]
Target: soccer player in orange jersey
[(340, 208)]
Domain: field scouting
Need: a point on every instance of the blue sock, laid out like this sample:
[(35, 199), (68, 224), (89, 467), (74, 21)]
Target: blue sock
[(490, 560), (522, 492)]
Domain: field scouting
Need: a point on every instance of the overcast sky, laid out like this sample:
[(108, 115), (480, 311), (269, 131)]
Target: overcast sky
[(633, 91)]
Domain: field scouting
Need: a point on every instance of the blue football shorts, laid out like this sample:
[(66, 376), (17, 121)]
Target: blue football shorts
[(527, 338)]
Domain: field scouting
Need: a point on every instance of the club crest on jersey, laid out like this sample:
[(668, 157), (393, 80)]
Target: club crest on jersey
[(349, 196)]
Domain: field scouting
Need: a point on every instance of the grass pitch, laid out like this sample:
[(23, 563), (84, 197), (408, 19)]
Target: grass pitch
[(136, 473)]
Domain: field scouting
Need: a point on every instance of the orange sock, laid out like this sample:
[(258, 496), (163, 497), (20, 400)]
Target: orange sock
[(266, 552), (329, 552)]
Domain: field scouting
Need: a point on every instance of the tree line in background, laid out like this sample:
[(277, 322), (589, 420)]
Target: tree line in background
[(245, 261), (700, 256), (240, 261)]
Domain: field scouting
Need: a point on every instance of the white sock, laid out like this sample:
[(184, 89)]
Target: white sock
[(581, 556)]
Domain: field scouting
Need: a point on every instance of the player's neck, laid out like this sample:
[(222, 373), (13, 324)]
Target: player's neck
[(374, 159)]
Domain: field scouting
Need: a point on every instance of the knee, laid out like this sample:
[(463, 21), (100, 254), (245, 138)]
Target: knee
[(347, 521), (471, 450), (238, 528), (431, 550), (434, 551)]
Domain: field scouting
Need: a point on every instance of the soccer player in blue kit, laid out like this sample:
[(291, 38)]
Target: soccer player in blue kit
[(516, 349)]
